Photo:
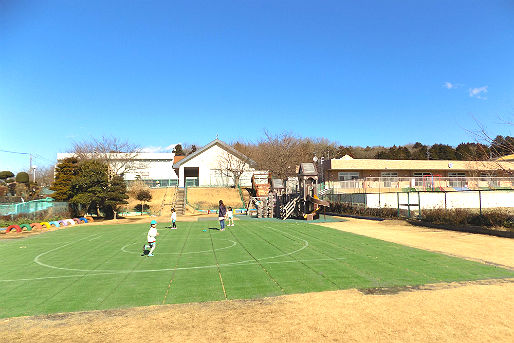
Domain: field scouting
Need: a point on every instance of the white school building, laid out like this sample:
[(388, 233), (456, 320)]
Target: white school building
[(212, 165)]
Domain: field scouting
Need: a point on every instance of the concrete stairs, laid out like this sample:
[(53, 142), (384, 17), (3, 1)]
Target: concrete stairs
[(180, 201)]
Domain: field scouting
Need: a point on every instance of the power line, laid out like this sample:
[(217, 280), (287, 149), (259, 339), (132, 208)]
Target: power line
[(27, 153), (16, 152)]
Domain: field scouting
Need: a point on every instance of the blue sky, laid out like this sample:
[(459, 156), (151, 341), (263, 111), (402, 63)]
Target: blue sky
[(157, 73)]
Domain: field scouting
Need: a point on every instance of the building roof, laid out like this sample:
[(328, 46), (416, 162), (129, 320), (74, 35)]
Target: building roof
[(178, 158), (222, 144), (377, 164), (121, 156), (506, 158)]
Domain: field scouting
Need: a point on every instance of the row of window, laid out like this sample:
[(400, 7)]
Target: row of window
[(457, 179), (346, 176)]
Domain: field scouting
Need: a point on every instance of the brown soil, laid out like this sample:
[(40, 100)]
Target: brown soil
[(478, 311), (208, 198)]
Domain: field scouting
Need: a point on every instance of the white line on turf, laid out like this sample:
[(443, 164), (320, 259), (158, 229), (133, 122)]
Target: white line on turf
[(185, 253), (163, 270), (38, 257)]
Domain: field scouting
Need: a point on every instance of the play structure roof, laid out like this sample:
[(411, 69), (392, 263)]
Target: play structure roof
[(307, 169)]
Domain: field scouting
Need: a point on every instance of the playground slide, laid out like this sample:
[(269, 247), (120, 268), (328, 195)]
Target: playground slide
[(313, 212), (317, 201)]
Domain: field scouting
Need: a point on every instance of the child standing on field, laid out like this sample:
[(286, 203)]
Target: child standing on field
[(173, 219), (152, 234), (230, 216), (222, 211)]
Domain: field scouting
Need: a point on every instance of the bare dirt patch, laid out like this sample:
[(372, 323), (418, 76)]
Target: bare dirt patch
[(208, 198), (478, 311)]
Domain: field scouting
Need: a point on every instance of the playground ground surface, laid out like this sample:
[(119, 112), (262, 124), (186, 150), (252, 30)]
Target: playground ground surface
[(458, 309)]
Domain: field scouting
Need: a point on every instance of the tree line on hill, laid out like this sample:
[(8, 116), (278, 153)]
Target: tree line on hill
[(281, 153), (93, 180)]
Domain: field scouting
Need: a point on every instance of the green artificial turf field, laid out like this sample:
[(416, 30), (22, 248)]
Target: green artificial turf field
[(100, 267)]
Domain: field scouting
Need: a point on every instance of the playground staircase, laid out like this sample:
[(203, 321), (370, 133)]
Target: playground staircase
[(289, 208), (180, 201), (324, 192)]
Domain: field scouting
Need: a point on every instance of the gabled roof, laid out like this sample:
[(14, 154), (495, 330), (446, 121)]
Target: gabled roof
[(222, 144), (307, 169)]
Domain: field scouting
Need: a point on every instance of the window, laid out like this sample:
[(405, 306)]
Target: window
[(346, 176), (419, 177), (457, 180), (388, 178), (492, 182)]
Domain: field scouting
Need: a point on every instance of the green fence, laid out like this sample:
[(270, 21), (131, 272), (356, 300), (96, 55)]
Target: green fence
[(31, 206)]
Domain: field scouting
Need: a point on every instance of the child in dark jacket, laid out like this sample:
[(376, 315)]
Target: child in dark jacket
[(222, 211)]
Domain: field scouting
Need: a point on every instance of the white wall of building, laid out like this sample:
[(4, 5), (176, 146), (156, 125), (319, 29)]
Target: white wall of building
[(433, 200), (209, 163), (149, 166)]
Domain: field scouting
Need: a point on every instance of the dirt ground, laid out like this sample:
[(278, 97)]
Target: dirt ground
[(208, 198), (479, 311)]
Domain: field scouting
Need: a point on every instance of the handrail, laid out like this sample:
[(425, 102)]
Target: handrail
[(421, 182), (241, 195)]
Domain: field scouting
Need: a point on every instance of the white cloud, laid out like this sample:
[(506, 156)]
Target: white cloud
[(449, 85), (478, 92), (168, 148)]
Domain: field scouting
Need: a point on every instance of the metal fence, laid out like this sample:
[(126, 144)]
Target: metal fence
[(31, 207), (425, 183), (419, 200)]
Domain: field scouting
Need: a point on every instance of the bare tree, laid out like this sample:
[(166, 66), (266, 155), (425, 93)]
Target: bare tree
[(499, 148), (231, 166), (120, 156), (44, 176)]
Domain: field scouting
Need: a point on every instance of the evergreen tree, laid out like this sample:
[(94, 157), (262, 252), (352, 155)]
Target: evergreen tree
[(178, 151), (89, 188), (64, 174), (442, 152), (116, 196), (501, 146), (143, 195), (472, 152), (4, 175), (22, 177), (419, 151)]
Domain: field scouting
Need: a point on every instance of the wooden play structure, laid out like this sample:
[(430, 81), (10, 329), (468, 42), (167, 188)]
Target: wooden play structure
[(272, 199)]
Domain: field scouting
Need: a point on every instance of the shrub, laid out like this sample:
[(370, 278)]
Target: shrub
[(462, 217), (345, 208), (496, 217), (6, 174), (137, 208), (22, 177), (144, 195)]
